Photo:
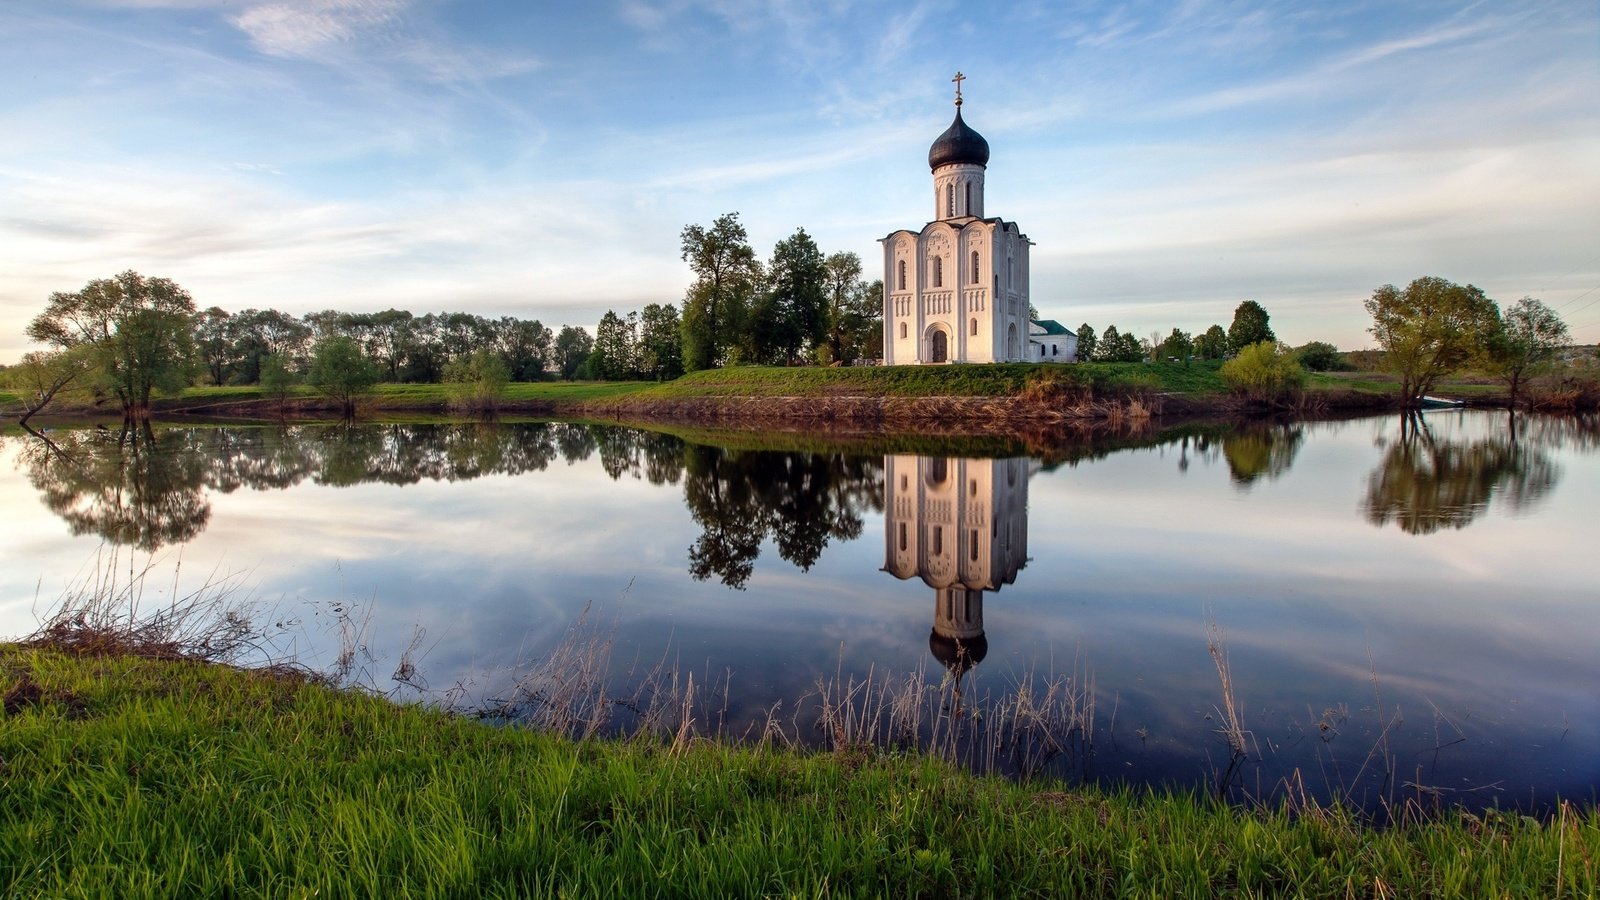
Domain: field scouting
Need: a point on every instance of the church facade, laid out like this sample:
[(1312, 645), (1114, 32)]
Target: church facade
[(957, 290)]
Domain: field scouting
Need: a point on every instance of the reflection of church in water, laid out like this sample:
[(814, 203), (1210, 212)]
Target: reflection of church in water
[(961, 525)]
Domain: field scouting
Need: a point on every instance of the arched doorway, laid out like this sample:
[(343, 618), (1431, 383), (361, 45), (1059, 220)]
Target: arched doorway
[(939, 350), (1012, 353)]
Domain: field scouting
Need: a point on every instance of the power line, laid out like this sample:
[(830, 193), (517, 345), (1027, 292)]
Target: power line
[(1585, 306), (1579, 297)]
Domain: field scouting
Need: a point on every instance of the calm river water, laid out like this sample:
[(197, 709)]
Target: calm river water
[(1407, 609)]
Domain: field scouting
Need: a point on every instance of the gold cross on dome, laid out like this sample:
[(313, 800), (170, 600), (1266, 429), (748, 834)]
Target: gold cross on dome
[(958, 79)]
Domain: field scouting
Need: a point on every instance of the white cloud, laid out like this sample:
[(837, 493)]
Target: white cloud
[(306, 28)]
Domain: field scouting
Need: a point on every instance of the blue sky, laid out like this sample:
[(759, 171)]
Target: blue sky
[(537, 159)]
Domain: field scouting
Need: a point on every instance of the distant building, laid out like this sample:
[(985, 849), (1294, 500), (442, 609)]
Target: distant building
[(1050, 341), (960, 525), (957, 290)]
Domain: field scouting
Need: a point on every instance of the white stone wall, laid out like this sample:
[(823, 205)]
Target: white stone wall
[(958, 191)]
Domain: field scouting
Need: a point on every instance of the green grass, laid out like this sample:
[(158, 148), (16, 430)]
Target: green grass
[(1464, 387), (406, 395), (128, 777), (998, 380)]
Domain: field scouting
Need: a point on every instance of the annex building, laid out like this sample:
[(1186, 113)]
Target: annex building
[(957, 290)]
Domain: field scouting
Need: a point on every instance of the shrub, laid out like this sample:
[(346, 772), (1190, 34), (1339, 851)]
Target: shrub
[(1264, 372), (1321, 356), (476, 382), (277, 382)]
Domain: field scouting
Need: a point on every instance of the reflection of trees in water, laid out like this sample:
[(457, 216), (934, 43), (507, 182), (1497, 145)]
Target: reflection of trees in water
[(147, 487), (1425, 484), (801, 500), (130, 486), (1261, 450)]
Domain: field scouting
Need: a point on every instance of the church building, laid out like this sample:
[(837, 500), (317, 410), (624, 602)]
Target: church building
[(957, 291)]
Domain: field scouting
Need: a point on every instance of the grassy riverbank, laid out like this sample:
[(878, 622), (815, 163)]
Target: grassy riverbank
[(979, 395), (130, 777), (1003, 394)]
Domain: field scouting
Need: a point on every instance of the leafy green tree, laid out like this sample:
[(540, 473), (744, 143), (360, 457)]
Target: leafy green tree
[(277, 382), (791, 315), (1320, 356), (141, 329), (388, 341), (214, 341), (1179, 345), (1429, 330), (477, 381), (1212, 343), (340, 372), (726, 273), (855, 310), (1524, 341), (1109, 347), (1263, 372), (40, 378), (524, 344), (573, 346), (1249, 326), (259, 333), (660, 342), (869, 339), (1087, 342), (1115, 346), (611, 358)]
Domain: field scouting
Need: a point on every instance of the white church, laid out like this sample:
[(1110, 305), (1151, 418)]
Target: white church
[(957, 291)]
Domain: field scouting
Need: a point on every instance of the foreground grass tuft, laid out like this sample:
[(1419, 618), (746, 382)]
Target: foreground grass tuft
[(133, 777)]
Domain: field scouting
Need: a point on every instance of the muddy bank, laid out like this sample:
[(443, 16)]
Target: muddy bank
[(1023, 412)]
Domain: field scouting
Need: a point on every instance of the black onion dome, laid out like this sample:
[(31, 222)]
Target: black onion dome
[(956, 654), (958, 144)]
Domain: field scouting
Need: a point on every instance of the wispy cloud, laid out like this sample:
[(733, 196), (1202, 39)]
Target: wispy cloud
[(339, 32), (306, 29), (1325, 78)]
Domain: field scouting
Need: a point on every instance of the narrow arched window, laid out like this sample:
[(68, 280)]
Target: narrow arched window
[(902, 329), (901, 279), (950, 199), (975, 278), (968, 208), (938, 271), (974, 327)]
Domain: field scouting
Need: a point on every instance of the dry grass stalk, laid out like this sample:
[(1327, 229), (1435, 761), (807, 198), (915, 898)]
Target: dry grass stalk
[(1232, 723), (111, 611)]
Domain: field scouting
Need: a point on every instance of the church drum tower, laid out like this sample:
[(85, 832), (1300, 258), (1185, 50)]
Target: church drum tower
[(956, 291)]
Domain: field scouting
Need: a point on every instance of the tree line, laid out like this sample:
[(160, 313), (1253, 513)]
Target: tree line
[(130, 336), (801, 306), (1250, 326)]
